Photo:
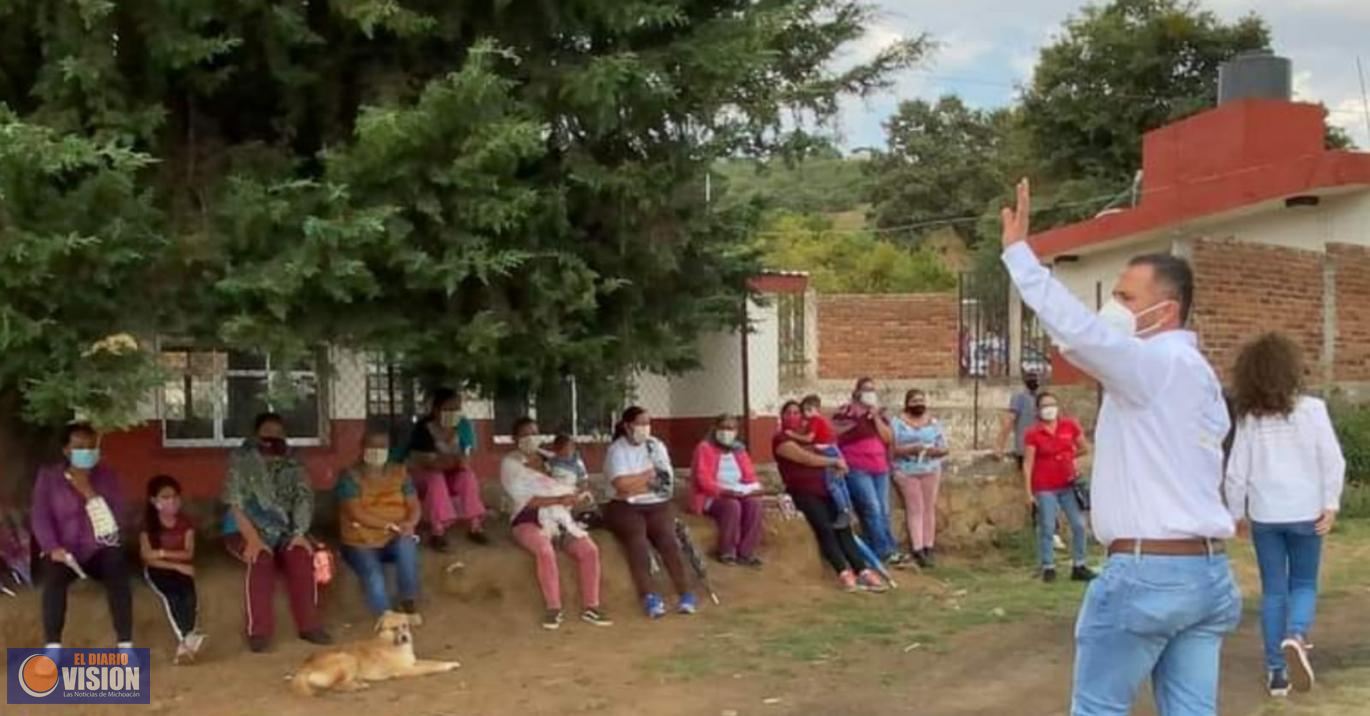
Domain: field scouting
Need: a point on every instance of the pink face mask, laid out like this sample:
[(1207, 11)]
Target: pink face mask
[(168, 506)]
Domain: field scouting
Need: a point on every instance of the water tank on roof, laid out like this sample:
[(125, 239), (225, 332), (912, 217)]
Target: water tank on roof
[(1255, 75)]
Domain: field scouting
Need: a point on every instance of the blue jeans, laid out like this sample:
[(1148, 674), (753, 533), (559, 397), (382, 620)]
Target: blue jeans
[(1288, 555), (1048, 504), (367, 561), (837, 486), (870, 493), (1162, 617)]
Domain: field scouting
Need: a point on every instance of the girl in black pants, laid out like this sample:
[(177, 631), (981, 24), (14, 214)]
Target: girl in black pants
[(168, 549), (802, 471)]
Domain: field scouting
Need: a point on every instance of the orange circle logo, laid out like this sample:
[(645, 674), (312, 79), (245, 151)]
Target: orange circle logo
[(38, 676)]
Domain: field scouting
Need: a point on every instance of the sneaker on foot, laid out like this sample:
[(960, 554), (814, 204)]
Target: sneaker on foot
[(596, 616), (654, 605), (928, 561), (920, 559), (1057, 543), (752, 561), (898, 559), (1300, 668), (727, 560), (1081, 573), (872, 582), (551, 621), (194, 641), (1049, 575), (478, 537), (258, 644), (847, 579), (1277, 683), (688, 604), (184, 655), (317, 636), (843, 521)]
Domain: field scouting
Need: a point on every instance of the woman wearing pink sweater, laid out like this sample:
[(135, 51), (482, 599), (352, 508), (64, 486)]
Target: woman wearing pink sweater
[(725, 488)]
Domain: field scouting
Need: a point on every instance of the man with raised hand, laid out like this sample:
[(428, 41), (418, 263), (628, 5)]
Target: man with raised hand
[(1166, 597)]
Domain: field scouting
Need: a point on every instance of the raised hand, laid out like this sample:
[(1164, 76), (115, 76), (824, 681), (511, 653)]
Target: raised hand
[(1015, 220)]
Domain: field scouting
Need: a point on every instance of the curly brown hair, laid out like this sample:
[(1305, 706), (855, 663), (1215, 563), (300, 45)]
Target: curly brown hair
[(1267, 377)]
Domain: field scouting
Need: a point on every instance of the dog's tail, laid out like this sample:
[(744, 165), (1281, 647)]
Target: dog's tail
[(300, 683)]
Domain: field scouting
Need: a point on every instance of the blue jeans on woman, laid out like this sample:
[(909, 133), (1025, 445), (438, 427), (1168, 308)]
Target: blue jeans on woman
[(870, 494), (1288, 555), (367, 562), (1048, 504)]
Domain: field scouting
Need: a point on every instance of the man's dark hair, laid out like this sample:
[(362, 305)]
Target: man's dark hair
[(1175, 277), (264, 418), (440, 396), (71, 430)]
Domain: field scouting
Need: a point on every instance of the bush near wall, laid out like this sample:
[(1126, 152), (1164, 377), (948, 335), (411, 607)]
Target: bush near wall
[(1353, 430)]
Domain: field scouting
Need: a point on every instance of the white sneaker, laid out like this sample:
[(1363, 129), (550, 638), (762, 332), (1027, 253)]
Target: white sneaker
[(1057, 543), (195, 641), (1300, 668)]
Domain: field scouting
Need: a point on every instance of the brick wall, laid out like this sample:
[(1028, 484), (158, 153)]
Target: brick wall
[(1243, 290), (1352, 350), (887, 336)]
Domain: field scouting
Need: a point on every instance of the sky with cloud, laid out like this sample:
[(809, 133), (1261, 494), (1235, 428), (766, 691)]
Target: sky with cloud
[(987, 48)]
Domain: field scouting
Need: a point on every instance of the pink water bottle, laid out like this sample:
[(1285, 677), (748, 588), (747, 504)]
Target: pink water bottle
[(323, 565)]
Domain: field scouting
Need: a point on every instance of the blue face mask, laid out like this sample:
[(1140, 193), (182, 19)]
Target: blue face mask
[(85, 458)]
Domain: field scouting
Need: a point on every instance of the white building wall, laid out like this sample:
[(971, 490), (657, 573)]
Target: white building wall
[(763, 364)]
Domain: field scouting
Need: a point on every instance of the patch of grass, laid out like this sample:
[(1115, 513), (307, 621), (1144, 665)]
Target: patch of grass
[(1345, 693)]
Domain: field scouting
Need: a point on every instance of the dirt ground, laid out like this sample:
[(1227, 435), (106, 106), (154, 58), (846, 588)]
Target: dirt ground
[(783, 642)]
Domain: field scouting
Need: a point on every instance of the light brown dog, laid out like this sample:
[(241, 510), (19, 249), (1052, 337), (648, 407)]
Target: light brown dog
[(388, 656)]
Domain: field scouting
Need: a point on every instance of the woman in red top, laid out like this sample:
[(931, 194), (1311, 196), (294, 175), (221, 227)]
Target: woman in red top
[(167, 546), (1049, 450)]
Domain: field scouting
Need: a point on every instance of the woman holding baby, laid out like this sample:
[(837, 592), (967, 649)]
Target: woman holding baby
[(541, 507)]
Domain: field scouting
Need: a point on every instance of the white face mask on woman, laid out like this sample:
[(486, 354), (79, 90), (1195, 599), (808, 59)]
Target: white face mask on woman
[(1050, 412), (870, 398), (528, 444), (376, 457), (726, 438), (641, 433)]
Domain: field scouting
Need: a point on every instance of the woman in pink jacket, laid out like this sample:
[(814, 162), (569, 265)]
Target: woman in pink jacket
[(725, 488)]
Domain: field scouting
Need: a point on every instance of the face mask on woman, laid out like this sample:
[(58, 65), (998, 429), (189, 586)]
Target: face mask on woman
[(272, 447), (529, 444), (1049, 412), (792, 422), (726, 438), (168, 506), (870, 398), (450, 418), (376, 457), (641, 433), (917, 411), (85, 458)]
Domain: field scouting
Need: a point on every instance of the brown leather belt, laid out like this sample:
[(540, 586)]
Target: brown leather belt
[(1196, 547)]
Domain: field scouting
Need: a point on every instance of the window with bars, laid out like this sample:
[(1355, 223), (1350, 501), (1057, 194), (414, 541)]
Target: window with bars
[(562, 407), (211, 397), (793, 355)]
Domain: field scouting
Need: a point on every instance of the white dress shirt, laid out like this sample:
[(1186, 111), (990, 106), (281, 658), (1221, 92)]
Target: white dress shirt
[(1158, 462), (1286, 468)]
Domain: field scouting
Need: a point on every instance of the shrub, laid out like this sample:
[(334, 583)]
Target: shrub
[(1353, 430)]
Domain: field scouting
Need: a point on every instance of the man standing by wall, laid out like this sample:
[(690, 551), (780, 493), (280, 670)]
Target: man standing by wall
[(1021, 414), (1166, 597)]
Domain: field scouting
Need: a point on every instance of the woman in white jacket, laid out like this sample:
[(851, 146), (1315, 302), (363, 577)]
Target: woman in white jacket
[(1284, 485)]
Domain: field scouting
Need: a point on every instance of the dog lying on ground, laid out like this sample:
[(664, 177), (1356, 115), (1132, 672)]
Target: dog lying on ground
[(390, 655)]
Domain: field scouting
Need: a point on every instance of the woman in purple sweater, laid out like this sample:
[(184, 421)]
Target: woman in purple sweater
[(76, 510)]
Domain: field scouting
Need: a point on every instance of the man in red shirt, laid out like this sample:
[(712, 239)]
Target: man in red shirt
[(1050, 447)]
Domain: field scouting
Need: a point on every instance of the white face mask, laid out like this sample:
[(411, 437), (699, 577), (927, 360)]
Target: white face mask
[(376, 457), (1050, 412), (1116, 315), (869, 398), (450, 418), (529, 444), (726, 437), (641, 433)]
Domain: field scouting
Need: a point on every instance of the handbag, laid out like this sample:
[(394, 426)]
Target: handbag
[(1081, 490)]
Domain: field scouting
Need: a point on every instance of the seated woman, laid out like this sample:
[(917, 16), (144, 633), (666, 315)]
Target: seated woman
[(725, 488), (439, 456), (270, 510), (76, 511), (802, 470), (639, 511), (379, 512), (526, 478)]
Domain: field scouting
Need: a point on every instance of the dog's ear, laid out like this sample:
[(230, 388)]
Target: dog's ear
[(383, 618), (415, 620)]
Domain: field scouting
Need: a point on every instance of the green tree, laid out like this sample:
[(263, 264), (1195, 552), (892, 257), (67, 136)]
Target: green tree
[(1121, 69), (494, 191), (823, 182), (849, 261), (941, 160)]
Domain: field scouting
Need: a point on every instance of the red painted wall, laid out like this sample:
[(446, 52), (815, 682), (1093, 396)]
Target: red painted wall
[(138, 454)]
